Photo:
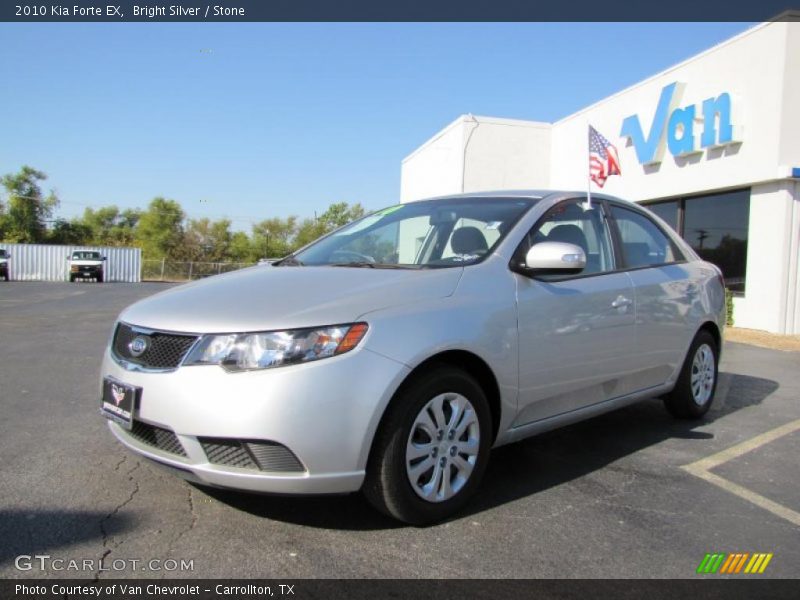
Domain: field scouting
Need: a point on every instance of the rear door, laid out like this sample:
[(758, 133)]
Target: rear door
[(664, 294), (576, 333)]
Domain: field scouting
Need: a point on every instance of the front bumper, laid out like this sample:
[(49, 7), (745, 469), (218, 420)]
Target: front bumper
[(324, 412)]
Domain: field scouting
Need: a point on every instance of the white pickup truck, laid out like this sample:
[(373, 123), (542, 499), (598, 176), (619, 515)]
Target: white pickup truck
[(4, 256), (86, 264)]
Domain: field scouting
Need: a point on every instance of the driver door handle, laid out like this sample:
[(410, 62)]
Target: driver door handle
[(621, 302)]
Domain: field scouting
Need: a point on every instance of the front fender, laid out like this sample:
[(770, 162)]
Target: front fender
[(477, 318)]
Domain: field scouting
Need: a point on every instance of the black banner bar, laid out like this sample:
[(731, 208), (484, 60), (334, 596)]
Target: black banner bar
[(744, 587), (382, 10)]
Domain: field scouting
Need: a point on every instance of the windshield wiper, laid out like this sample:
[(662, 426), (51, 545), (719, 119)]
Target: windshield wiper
[(289, 261), (368, 265), (363, 263)]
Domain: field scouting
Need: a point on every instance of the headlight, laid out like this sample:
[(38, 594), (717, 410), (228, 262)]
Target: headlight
[(248, 351)]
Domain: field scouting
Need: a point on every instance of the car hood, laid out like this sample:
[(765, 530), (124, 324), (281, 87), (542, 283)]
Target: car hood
[(85, 262), (269, 298)]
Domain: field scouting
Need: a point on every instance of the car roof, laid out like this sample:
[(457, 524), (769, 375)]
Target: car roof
[(533, 194)]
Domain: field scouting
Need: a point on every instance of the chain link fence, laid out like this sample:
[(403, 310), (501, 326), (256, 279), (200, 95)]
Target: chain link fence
[(168, 270)]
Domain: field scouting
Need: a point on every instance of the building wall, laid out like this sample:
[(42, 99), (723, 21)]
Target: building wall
[(435, 168), (789, 152), (770, 245), (751, 67), (43, 262), (477, 154), (793, 263), (502, 154)]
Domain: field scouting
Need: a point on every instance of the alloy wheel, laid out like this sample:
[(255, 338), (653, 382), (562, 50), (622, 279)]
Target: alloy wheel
[(703, 374), (442, 447)]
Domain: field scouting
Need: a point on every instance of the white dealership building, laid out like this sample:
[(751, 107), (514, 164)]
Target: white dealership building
[(712, 145)]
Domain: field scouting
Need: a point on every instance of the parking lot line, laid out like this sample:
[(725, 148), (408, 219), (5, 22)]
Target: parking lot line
[(702, 469)]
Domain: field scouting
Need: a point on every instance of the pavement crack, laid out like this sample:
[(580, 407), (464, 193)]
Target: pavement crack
[(185, 530), (121, 462), (110, 515)]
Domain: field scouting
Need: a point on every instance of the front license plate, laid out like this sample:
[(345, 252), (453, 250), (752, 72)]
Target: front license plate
[(119, 401)]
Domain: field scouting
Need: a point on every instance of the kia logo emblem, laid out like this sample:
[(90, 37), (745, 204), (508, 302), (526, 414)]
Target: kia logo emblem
[(138, 346)]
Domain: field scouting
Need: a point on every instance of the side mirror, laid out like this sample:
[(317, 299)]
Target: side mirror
[(104, 258), (556, 258)]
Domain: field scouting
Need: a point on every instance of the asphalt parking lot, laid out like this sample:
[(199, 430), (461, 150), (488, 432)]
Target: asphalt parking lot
[(609, 497)]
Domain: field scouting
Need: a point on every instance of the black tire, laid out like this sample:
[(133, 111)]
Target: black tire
[(387, 485), (100, 278), (682, 402), (72, 278)]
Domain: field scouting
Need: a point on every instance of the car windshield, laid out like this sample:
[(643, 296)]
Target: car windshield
[(85, 256), (425, 234), (3, 253)]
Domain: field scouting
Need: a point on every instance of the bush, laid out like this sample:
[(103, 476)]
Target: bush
[(728, 307)]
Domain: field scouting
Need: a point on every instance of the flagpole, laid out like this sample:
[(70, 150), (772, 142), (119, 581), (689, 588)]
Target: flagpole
[(589, 172)]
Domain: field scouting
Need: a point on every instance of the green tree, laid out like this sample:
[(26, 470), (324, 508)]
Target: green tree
[(24, 220), (3, 221), (337, 215), (206, 240), (242, 249), (159, 231), (100, 223), (73, 232)]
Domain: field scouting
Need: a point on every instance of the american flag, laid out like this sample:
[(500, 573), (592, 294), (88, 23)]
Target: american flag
[(603, 158)]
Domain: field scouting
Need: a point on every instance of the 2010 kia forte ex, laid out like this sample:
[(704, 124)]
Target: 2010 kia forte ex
[(393, 354)]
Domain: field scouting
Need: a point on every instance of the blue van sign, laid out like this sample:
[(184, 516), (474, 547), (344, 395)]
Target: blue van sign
[(676, 125)]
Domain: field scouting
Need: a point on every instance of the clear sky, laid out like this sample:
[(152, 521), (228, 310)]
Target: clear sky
[(257, 120)]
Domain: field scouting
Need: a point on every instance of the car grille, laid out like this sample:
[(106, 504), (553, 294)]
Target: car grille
[(246, 454), (157, 437), (164, 350)]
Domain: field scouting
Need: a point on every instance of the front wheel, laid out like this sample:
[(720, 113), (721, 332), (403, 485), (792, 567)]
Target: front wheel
[(432, 448), (694, 391)]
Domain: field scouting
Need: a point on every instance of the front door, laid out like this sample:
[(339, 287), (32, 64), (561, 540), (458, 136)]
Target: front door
[(577, 332)]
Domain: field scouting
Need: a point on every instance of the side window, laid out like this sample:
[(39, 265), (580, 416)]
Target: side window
[(573, 223), (643, 242)]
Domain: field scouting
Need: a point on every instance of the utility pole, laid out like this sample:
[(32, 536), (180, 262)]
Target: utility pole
[(702, 234)]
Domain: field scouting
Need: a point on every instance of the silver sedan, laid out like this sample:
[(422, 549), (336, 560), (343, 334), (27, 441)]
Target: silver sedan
[(392, 355)]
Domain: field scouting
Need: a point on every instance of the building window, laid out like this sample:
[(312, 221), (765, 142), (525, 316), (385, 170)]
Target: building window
[(716, 226), (668, 211)]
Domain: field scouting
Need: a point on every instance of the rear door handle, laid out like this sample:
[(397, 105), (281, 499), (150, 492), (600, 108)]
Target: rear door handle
[(621, 301)]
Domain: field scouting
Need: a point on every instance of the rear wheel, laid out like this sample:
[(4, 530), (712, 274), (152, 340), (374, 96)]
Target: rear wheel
[(100, 278), (432, 448), (72, 278), (694, 391)]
